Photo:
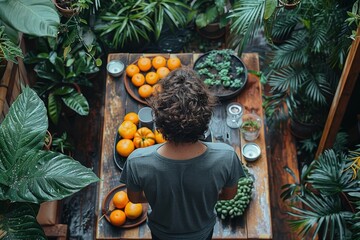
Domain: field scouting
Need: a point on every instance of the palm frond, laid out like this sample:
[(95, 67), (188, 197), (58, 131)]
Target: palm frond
[(322, 215), (284, 25), (329, 175), (292, 52), (246, 19), (317, 88), (287, 79)]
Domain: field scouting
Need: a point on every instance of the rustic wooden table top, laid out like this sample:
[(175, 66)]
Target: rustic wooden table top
[(256, 221)]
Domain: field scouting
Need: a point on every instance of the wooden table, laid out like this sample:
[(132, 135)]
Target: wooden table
[(254, 224)]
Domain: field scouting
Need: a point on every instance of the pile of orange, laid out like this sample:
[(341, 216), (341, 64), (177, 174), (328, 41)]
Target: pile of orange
[(133, 137), (124, 209), (146, 72)]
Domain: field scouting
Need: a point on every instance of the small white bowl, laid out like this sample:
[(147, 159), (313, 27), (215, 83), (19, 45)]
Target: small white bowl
[(115, 68), (251, 152)]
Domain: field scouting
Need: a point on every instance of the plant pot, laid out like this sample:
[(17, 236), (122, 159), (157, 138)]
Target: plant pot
[(303, 130), (66, 12), (212, 31), (289, 5)]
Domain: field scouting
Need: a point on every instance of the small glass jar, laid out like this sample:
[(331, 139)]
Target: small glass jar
[(234, 113)]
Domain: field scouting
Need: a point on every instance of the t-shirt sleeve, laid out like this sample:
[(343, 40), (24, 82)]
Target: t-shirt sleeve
[(128, 178), (236, 171)]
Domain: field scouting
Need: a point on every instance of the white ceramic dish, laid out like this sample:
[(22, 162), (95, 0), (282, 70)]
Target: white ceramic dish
[(251, 152), (115, 68)]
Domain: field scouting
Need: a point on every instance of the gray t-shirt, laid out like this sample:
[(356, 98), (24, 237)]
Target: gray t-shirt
[(182, 193)]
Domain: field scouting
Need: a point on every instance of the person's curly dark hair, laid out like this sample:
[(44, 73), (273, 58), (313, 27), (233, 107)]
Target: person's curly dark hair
[(183, 106)]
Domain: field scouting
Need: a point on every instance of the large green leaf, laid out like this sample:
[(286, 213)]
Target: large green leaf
[(29, 174), (18, 221), (23, 129), (35, 17), (77, 102), (54, 108), (47, 176)]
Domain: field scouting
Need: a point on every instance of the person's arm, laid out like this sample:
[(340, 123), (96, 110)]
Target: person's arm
[(136, 197), (228, 193)]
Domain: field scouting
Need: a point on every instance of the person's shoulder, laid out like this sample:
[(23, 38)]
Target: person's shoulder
[(220, 146), (143, 152)]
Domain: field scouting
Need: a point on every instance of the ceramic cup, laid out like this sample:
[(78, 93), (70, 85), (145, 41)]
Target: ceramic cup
[(251, 152), (146, 118), (115, 68)]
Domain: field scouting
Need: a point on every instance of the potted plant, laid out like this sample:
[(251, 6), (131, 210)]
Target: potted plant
[(70, 8), (329, 193), (250, 126), (125, 23), (289, 4), (63, 65), (30, 175), (223, 72), (304, 71), (211, 17)]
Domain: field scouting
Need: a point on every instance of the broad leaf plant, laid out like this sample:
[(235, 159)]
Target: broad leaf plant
[(30, 175)]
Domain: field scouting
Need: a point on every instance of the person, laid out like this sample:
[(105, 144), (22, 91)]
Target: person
[(183, 178)]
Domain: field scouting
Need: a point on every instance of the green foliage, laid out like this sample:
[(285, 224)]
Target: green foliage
[(64, 64), (133, 21), (36, 17), (8, 50), (210, 11), (304, 71), (327, 189), (29, 174)]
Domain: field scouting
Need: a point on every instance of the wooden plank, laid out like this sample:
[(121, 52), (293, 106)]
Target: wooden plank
[(346, 85), (258, 214)]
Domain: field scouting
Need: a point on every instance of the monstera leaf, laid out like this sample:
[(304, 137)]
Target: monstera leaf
[(35, 17)]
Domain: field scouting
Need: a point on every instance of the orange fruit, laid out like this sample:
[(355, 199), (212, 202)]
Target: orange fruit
[(159, 137), (133, 210), (173, 63), (132, 117), (138, 79), (120, 199), (124, 147), (158, 61), (131, 70), (162, 72), (151, 78), (127, 129), (156, 88), (144, 64), (117, 217), (145, 91)]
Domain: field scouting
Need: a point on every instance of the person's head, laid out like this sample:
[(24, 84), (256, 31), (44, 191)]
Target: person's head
[(183, 106)]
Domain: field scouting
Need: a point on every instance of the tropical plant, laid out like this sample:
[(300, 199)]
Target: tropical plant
[(8, 49), (304, 71), (63, 65), (124, 22), (37, 17), (248, 18), (29, 175), (328, 189), (210, 11)]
